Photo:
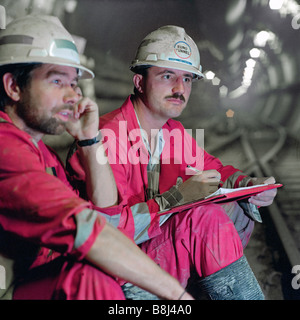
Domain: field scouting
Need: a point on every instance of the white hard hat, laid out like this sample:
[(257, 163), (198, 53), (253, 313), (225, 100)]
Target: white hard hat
[(168, 47), (40, 39)]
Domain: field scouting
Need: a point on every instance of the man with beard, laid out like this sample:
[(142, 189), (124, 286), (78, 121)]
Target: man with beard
[(54, 244), (150, 154)]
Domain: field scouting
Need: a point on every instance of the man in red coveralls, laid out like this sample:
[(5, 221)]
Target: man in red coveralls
[(53, 244), (149, 153)]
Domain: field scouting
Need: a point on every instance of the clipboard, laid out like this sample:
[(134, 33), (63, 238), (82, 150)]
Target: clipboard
[(223, 195)]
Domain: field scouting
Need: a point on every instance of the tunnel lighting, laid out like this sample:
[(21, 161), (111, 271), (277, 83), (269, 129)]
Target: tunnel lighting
[(216, 81), (286, 7), (246, 83), (248, 73), (292, 7), (230, 113), (261, 38), (237, 92), (70, 5), (210, 75), (276, 4), (236, 11), (223, 91), (250, 63), (254, 53)]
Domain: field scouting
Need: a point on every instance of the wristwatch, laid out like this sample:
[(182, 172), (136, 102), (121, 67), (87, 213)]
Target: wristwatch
[(89, 142)]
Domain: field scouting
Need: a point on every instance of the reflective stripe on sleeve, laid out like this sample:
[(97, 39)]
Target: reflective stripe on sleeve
[(114, 220), (85, 221), (142, 221)]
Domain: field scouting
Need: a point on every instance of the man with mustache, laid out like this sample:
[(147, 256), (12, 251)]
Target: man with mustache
[(54, 244), (202, 239)]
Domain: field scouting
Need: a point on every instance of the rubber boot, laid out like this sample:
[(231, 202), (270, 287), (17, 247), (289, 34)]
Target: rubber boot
[(132, 292), (234, 282)]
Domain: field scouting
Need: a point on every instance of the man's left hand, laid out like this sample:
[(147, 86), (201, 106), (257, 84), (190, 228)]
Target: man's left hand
[(85, 123), (265, 198)]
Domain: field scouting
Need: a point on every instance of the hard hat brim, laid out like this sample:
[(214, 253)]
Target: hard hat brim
[(168, 64), (84, 73)]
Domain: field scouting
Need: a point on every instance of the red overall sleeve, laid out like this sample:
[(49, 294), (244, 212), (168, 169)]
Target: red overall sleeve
[(134, 216), (37, 206)]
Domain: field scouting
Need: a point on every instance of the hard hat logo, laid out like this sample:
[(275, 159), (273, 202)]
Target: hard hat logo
[(168, 47), (182, 50)]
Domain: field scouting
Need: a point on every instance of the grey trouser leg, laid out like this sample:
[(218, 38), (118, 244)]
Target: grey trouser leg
[(234, 282)]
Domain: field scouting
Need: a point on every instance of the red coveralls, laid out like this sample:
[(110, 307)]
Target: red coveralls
[(203, 238), (38, 212)]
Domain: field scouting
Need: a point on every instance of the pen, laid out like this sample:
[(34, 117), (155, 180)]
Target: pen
[(194, 169), (218, 176)]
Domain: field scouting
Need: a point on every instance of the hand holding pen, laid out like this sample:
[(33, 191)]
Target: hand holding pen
[(200, 185)]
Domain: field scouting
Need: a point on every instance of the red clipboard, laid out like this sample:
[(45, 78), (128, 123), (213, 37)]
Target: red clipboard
[(234, 195)]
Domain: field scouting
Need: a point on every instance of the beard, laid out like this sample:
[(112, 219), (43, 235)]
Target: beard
[(33, 116)]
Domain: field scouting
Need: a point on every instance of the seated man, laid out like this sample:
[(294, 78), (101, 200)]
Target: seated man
[(149, 153), (54, 244)]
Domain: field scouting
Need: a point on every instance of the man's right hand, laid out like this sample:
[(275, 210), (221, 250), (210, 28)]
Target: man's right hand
[(200, 185)]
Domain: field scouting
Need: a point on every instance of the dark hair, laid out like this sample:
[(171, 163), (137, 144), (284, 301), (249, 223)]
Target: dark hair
[(143, 70), (22, 75)]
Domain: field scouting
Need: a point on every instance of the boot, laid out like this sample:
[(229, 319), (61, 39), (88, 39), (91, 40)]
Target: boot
[(234, 282), (133, 292)]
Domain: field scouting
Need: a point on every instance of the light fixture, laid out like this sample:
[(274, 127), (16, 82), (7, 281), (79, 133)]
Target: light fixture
[(209, 75), (246, 83), (230, 113), (255, 53), (70, 5), (250, 63), (276, 4), (248, 73), (261, 38), (216, 81), (223, 91)]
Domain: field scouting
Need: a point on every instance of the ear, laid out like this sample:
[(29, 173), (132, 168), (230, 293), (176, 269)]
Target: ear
[(138, 82), (10, 86)]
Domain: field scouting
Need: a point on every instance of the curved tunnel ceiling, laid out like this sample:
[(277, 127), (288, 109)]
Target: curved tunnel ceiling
[(275, 84)]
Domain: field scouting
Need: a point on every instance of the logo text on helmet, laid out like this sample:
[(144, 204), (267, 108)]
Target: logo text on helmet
[(182, 50)]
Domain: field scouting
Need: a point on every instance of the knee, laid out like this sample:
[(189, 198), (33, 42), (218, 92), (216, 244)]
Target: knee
[(216, 229), (210, 215)]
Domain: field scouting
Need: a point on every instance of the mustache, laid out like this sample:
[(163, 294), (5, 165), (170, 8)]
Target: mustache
[(64, 107), (176, 96)]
